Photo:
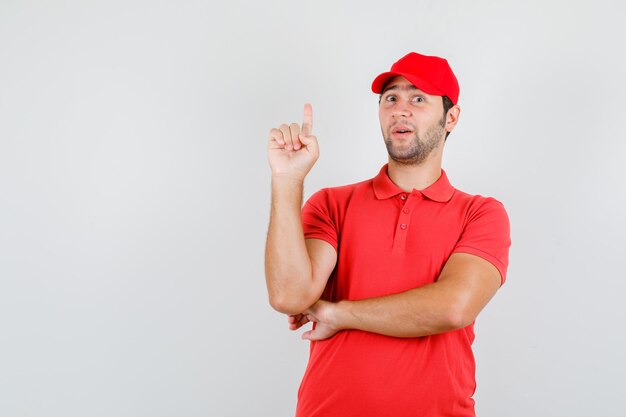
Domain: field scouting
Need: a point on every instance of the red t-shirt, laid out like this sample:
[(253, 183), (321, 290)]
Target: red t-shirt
[(389, 241)]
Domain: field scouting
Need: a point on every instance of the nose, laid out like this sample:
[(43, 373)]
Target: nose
[(401, 109)]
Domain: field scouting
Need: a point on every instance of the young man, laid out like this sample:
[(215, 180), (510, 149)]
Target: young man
[(392, 271)]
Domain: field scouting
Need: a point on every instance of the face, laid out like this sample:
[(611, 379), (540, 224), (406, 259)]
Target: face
[(412, 122)]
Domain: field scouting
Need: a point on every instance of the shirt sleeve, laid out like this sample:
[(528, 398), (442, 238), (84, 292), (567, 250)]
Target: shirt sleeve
[(317, 219), (487, 234)]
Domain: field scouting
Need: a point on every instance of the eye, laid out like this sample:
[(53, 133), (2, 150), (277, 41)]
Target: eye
[(390, 98), (418, 99)]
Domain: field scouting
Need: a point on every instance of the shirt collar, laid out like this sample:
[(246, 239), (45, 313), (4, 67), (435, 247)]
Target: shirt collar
[(440, 191)]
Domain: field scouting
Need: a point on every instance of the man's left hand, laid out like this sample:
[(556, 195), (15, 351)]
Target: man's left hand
[(322, 313)]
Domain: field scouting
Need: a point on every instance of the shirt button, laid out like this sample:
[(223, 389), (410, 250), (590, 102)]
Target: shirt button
[(403, 197), (403, 226), (406, 211)]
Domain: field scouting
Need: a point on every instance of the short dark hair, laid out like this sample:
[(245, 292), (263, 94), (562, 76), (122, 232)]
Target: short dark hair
[(447, 105)]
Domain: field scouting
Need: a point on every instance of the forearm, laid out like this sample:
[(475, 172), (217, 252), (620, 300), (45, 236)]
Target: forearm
[(462, 290), (288, 269), (418, 312)]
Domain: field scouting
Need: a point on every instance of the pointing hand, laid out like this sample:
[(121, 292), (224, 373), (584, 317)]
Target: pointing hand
[(292, 149)]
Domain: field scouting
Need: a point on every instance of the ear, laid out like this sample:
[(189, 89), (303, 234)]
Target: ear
[(452, 117)]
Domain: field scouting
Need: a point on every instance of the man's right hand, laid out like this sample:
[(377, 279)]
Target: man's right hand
[(292, 149)]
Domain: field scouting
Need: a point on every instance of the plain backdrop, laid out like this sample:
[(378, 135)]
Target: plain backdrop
[(134, 193)]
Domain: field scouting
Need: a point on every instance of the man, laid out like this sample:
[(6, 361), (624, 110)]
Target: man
[(392, 271)]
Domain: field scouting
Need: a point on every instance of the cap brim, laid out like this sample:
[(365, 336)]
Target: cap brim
[(381, 80)]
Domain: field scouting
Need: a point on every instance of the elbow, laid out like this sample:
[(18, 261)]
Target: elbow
[(459, 316), (288, 295), (289, 291), (289, 305)]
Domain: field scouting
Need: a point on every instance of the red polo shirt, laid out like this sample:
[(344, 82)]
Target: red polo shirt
[(389, 241)]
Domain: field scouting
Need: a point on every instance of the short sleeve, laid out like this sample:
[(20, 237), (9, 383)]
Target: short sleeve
[(487, 234), (317, 219)]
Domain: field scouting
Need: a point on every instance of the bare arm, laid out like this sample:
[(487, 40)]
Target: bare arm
[(296, 270), (465, 286)]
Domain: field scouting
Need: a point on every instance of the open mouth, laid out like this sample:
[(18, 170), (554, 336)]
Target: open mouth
[(402, 130)]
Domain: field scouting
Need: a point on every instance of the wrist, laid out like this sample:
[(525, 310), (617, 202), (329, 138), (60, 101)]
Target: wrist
[(341, 315), (284, 179)]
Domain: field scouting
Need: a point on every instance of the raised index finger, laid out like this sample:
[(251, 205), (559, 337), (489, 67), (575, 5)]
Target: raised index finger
[(307, 120)]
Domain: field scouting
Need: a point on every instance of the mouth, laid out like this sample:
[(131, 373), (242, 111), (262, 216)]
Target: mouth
[(401, 131)]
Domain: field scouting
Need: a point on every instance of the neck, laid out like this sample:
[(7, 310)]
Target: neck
[(418, 177)]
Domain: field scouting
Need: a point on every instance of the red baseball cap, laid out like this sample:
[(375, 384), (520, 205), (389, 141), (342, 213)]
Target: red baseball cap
[(430, 74)]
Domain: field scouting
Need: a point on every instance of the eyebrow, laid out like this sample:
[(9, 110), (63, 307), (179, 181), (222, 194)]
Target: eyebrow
[(396, 87)]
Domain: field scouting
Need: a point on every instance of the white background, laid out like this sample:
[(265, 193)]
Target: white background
[(134, 193)]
